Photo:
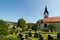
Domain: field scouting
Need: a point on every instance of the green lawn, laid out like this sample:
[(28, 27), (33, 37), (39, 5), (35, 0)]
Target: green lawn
[(44, 35)]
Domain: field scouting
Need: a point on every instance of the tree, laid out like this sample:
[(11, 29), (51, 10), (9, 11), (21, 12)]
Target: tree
[(35, 27), (29, 25), (21, 23), (52, 26), (3, 28)]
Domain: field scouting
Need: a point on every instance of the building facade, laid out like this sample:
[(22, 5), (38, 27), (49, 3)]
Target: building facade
[(47, 20)]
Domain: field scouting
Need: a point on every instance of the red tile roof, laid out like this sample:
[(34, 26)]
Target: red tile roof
[(50, 19)]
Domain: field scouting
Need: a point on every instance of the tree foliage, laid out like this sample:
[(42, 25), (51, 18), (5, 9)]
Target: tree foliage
[(3, 28), (52, 26), (21, 23), (35, 27), (29, 25)]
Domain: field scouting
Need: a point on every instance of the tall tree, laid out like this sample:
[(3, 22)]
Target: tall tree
[(3, 28), (21, 23)]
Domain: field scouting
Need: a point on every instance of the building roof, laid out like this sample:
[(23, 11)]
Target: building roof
[(50, 19)]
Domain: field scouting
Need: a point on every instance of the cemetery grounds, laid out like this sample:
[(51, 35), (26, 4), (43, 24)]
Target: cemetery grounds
[(44, 35)]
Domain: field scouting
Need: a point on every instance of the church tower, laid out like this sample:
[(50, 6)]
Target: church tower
[(46, 13)]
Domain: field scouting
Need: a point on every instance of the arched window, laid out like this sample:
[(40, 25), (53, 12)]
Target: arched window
[(45, 25)]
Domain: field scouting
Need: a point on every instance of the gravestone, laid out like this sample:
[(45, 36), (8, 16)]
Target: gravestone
[(50, 37), (11, 32), (20, 35), (40, 37), (22, 38), (58, 36), (30, 34), (14, 27), (36, 35), (26, 36)]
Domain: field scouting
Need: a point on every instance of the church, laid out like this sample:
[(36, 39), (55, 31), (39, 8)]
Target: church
[(47, 20)]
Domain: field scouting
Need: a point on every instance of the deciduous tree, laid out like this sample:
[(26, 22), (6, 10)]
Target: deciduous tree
[(3, 28), (52, 26), (21, 23)]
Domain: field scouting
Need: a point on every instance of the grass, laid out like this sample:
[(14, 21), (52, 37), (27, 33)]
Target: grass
[(44, 35)]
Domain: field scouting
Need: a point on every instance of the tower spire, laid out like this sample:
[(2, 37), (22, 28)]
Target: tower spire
[(46, 13)]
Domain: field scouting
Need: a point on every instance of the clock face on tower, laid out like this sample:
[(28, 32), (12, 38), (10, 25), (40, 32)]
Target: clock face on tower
[(46, 15)]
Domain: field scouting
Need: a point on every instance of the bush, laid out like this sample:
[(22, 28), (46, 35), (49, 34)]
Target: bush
[(8, 38)]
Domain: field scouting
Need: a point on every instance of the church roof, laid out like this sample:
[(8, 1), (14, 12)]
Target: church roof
[(50, 19)]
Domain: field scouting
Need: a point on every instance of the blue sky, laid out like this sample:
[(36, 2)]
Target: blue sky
[(30, 10)]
